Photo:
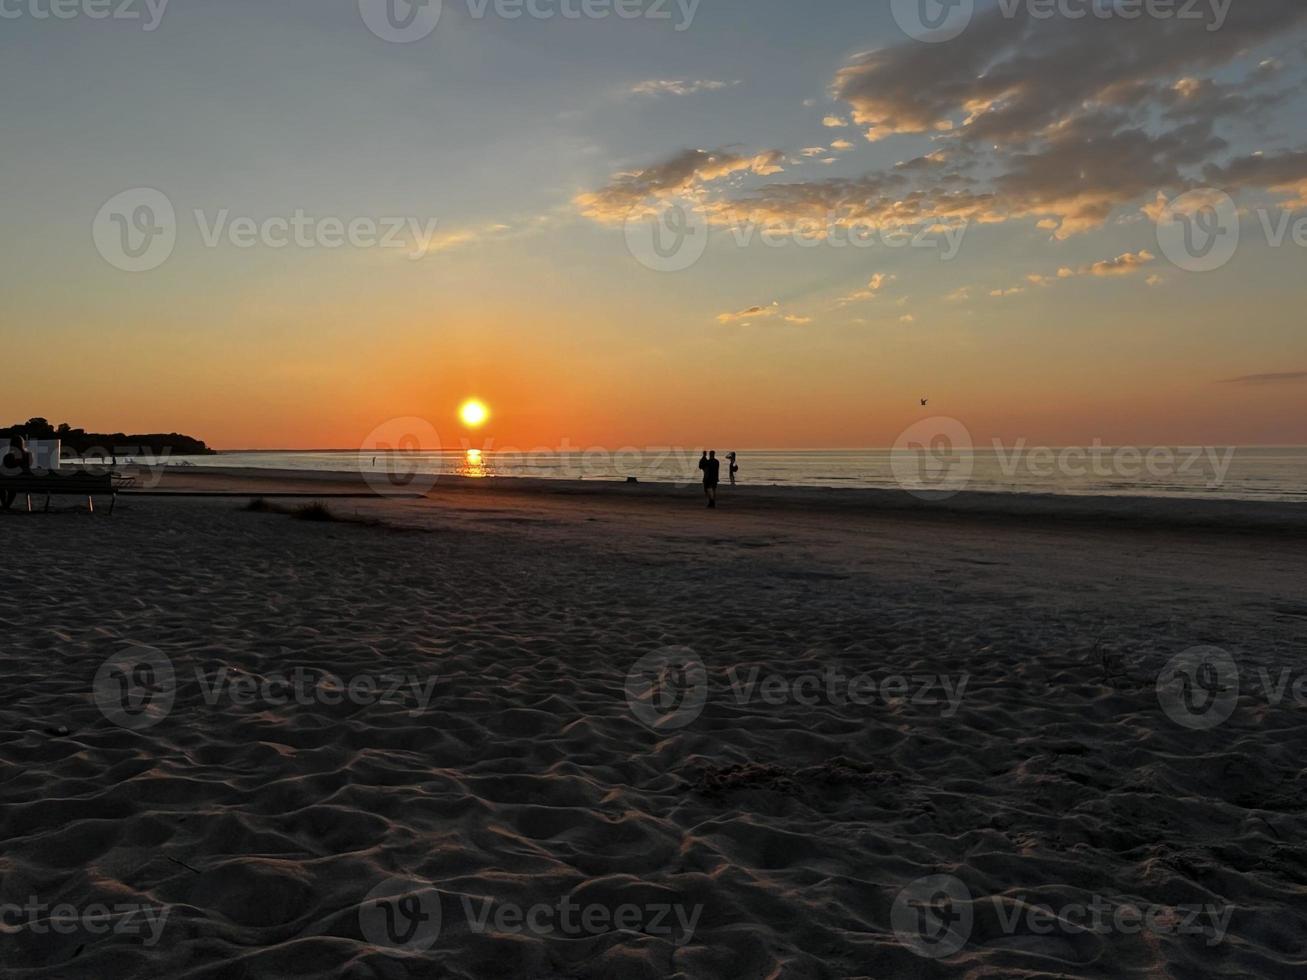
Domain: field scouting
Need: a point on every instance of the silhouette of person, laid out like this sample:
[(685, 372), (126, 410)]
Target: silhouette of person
[(17, 462), (712, 468), (734, 468)]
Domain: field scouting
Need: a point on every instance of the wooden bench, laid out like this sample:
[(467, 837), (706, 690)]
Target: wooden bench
[(79, 484)]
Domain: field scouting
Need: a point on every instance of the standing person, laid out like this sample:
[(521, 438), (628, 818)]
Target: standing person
[(17, 462), (712, 467), (734, 467)]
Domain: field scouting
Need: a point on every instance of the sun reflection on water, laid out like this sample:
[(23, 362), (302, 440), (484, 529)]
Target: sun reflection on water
[(473, 464)]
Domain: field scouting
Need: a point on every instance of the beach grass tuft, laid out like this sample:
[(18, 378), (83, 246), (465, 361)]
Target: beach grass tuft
[(316, 511)]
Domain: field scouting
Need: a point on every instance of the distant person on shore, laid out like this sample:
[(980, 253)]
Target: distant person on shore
[(712, 468), (17, 462), (734, 468)]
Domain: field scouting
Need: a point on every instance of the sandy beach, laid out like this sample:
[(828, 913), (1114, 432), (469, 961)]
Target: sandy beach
[(653, 490), (434, 738)]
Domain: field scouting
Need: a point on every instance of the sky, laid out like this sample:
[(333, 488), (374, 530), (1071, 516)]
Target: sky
[(851, 214)]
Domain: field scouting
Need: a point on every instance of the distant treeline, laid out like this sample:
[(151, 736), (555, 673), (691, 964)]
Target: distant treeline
[(79, 442)]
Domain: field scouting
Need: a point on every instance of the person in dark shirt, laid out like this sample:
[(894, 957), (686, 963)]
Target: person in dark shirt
[(712, 468), (17, 462), (734, 467)]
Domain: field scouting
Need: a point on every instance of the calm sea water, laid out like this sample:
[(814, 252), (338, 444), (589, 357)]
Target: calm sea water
[(1265, 473)]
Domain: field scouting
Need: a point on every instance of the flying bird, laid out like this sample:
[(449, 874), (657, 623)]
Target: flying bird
[(924, 400)]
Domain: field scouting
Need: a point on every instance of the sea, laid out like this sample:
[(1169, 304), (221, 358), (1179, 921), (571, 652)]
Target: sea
[(1232, 473)]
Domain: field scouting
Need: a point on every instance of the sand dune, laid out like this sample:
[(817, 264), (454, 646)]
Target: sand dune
[(498, 796)]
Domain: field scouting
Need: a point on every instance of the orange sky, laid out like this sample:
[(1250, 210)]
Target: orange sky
[(1058, 319)]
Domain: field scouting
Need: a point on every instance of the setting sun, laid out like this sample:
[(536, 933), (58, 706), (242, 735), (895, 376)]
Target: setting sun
[(473, 413)]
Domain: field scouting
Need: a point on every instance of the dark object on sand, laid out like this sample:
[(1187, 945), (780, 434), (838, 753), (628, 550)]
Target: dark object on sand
[(316, 511), (76, 484)]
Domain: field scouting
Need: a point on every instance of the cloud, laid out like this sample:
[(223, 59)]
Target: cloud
[(444, 241), (1077, 177), (877, 200), (841, 145), (1008, 79), (1125, 264), (907, 318), (682, 174), (1192, 99), (1063, 112), (677, 86), (1283, 377), (874, 285), (1122, 265), (752, 313), (1057, 121), (746, 317), (1282, 173)]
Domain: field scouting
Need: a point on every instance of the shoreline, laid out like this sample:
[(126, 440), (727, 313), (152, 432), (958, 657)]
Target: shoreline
[(1216, 514)]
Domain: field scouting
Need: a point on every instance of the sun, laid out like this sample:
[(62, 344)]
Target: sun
[(473, 413)]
